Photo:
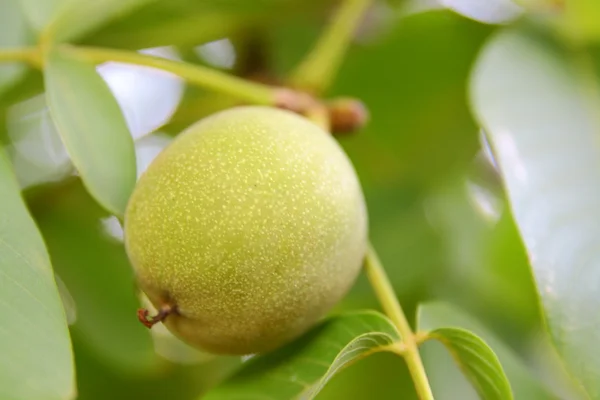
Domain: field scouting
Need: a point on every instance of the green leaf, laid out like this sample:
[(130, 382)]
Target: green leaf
[(37, 361), (42, 14), (67, 301), (511, 290), (381, 376), (152, 27), (448, 384), (97, 380), (489, 274), (477, 360), (92, 128), (302, 368), (539, 107), (29, 85), (15, 33), (95, 269), (83, 16), (61, 20), (581, 19), (191, 22), (416, 71), (404, 151)]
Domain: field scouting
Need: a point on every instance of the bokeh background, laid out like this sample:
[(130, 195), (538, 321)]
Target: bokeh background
[(438, 213)]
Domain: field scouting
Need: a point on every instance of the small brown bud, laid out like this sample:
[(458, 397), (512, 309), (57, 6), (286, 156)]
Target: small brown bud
[(347, 115)]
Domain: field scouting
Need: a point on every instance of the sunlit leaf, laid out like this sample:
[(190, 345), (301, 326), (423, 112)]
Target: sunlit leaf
[(541, 115), (92, 128), (302, 368), (36, 361), (86, 252)]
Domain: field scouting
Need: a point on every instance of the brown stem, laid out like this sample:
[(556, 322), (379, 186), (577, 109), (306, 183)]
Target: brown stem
[(292, 100), (149, 321)]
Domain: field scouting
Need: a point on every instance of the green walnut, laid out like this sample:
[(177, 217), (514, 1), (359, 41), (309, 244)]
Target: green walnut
[(251, 225)]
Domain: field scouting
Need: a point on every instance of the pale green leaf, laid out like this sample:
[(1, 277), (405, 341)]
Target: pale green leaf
[(36, 361), (42, 14), (540, 110), (13, 33), (301, 369), (93, 129)]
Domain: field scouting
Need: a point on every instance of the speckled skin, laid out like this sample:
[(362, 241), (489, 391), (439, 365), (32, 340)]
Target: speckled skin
[(253, 223)]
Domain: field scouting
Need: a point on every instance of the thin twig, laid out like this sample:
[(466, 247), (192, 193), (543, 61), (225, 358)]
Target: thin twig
[(391, 307)]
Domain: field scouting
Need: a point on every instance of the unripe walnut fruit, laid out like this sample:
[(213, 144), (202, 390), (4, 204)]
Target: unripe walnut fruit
[(252, 223)]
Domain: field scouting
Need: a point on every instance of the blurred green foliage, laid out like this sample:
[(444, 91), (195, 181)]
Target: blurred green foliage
[(75, 228), (438, 215)]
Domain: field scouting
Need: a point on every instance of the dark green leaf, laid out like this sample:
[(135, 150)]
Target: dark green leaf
[(61, 20), (14, 34), (412, 80), (302, 368), (447, 382), (97, 380), (95, 269), (477, 360), (381, 376), (92, 128), (488, 271), (36, 361), (512, 299), (83, 16), (415, 72), (538, 104), (190, 22)]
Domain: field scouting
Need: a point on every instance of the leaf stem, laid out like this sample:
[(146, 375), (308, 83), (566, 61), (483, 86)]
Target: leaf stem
[(389, 302), (208, 78), (317, 70), (20, 54)]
